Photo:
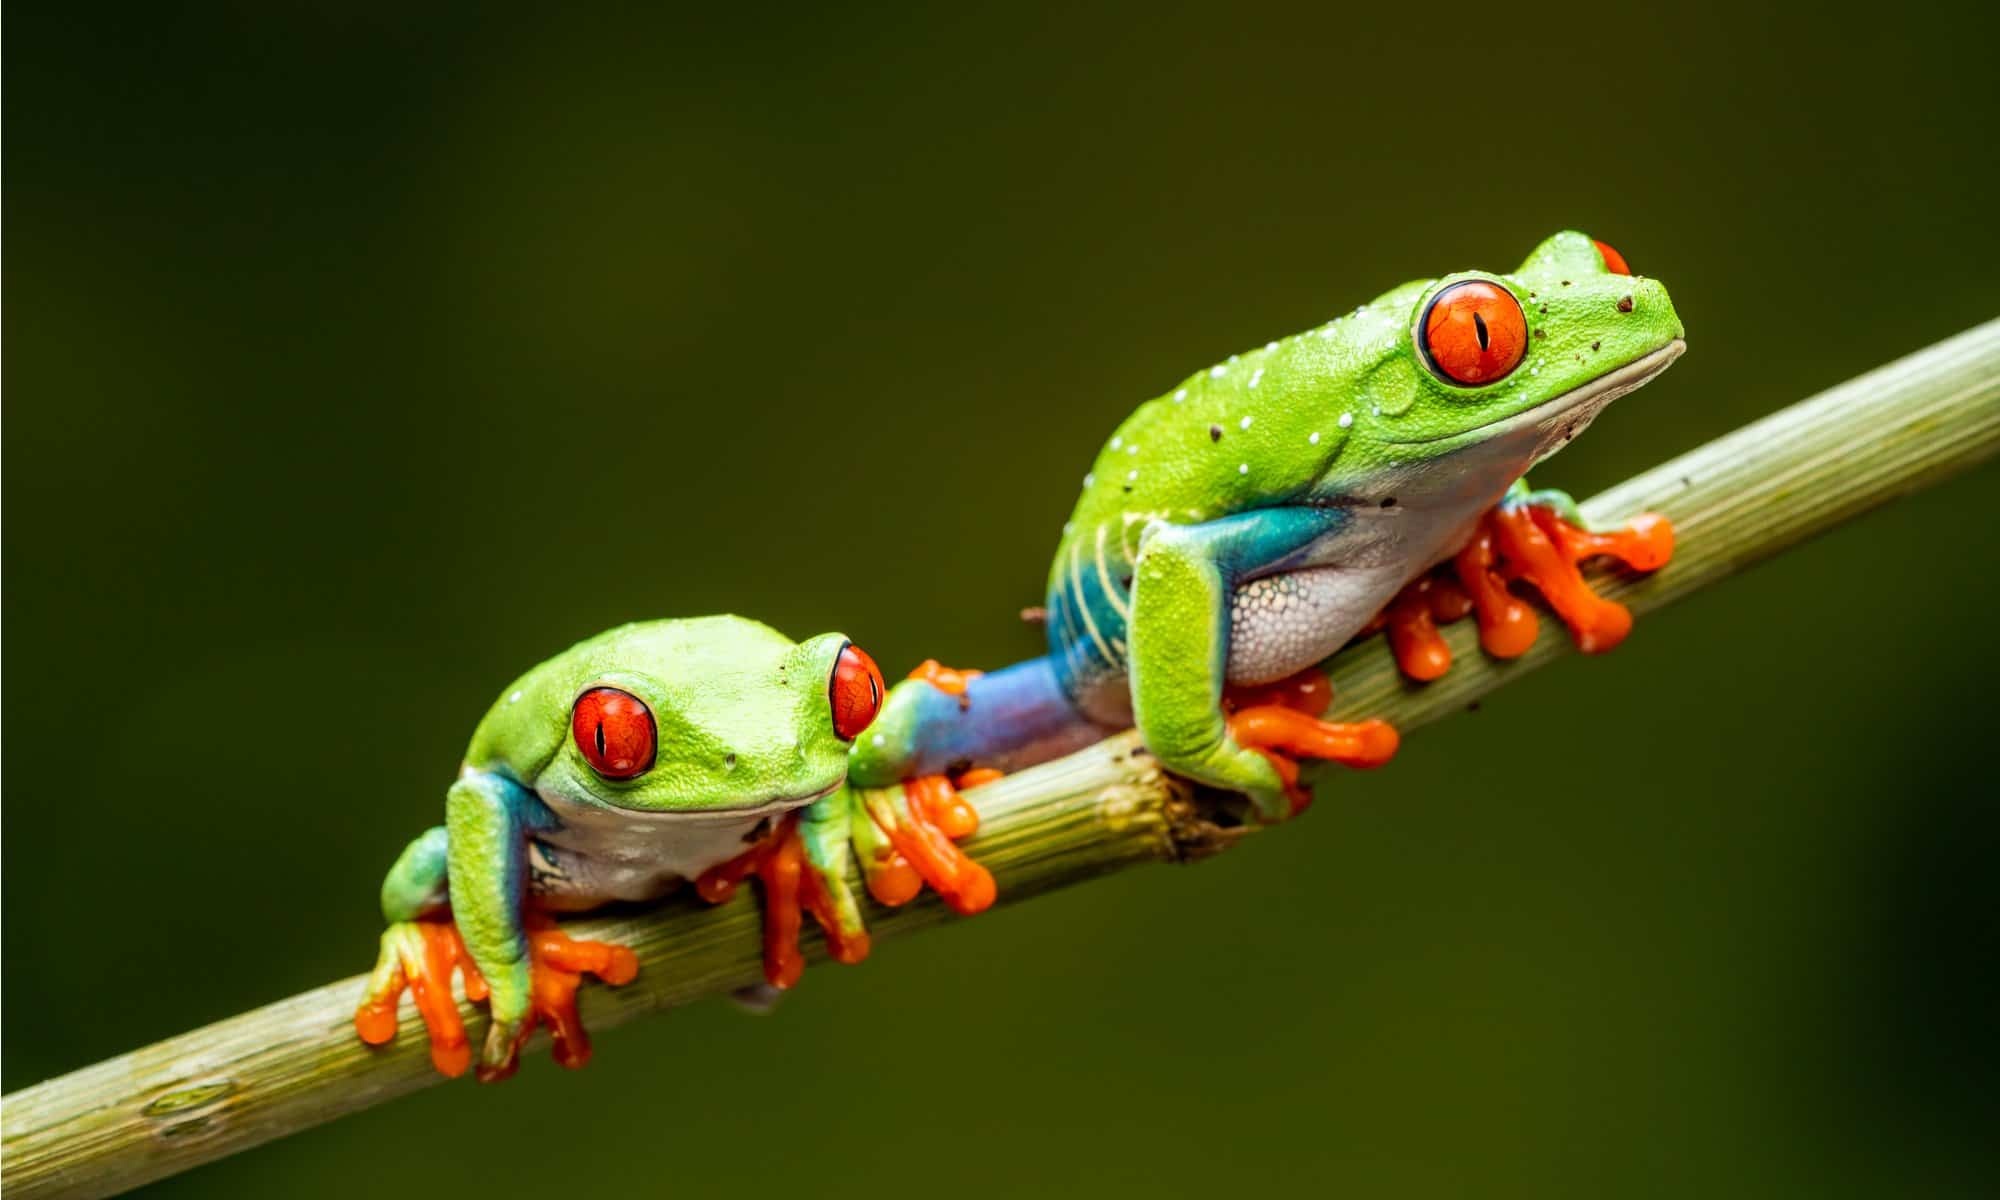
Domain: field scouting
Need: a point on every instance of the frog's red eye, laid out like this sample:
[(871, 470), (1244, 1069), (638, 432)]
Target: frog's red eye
[(1474, 332), (855, 692), (614, 731), (1614, 262)]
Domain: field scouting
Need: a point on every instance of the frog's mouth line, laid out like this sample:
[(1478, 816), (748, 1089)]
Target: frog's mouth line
[(762, 808), (1579, 404)]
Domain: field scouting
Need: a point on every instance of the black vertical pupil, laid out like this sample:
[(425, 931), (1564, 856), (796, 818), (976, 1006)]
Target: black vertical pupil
[(600, 739), (1479, 324)]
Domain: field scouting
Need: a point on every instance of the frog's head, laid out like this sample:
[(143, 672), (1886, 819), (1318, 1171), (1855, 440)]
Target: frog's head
[(712, 715), (1526, 357)]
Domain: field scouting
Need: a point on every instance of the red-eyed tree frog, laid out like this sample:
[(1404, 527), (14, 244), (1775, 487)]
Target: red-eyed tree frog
[(659, 752), (1240, 528)]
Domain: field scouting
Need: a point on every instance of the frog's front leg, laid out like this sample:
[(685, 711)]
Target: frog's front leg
[(905, 837), (1181, 597), (526, 966), (1539, 537), (487, 819)]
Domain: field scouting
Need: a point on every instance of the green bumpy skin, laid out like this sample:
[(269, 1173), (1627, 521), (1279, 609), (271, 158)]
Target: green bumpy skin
[(1244, 525), (1274, 465), (741, 729)]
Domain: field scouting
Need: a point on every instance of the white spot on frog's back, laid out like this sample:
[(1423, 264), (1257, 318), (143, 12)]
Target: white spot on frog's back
[(1218, 371), (1346, 420), (514, 699), (1117, 442), (1243, 468), (1180, 396), (1312, 439), (1244, 423), (1256, 377)]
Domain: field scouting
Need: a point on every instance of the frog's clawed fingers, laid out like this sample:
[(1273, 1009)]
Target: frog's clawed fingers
[(1411, 622), (421, 956), (1521, 540), (558, 964), (1536, 543), (790, 890)]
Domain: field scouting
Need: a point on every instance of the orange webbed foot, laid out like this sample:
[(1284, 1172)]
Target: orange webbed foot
[(1411, 623), (909, 840), (421, 957), (790, 891), (1542, 546), (1282, 722), (918, 827), (1533, 538), (557, 965)]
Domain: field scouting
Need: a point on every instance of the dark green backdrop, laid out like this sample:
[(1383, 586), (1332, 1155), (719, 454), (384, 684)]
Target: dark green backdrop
[(358, 358)]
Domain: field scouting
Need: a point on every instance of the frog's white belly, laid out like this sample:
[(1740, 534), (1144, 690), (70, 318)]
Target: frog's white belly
[(1283, 623), (600, 855)]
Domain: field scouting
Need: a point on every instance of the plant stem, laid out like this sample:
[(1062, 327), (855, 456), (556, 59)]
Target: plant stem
[(287, 1066)]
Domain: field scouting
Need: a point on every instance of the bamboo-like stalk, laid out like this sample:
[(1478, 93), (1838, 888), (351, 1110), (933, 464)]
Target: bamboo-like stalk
[(275, 1070)]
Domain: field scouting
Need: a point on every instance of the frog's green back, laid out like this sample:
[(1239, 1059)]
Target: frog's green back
[(1263, 427)]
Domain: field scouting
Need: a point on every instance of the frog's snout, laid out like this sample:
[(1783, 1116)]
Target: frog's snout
[(1647, 299)]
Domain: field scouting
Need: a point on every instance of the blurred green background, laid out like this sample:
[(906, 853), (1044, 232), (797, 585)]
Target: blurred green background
[(359, 357)]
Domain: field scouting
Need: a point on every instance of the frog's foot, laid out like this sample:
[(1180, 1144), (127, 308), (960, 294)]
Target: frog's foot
[(1411, 623), (790, 890), (421, 956), (557, 965), (1539, 537), (908, 836), (1281, 721)]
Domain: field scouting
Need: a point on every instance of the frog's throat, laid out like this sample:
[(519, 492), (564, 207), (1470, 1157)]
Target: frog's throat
[(1563, 417)]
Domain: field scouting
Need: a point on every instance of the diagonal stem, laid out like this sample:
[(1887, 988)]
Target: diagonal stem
[(262, 1074)]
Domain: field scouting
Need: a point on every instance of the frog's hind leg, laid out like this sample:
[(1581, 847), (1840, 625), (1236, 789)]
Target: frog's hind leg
[(1282, 721), (1181, 646)]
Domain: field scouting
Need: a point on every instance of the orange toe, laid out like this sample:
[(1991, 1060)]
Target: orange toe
[(426, 961), (558, 964), (926, 848)]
